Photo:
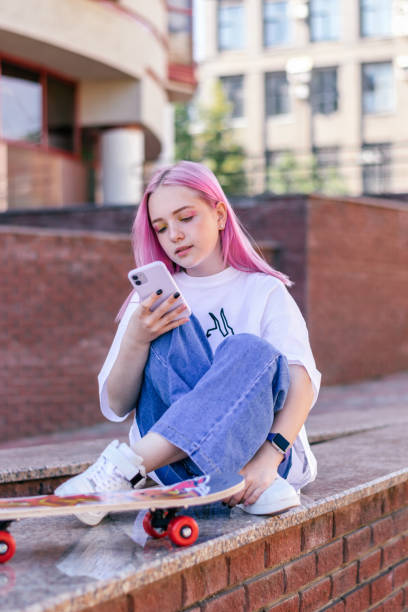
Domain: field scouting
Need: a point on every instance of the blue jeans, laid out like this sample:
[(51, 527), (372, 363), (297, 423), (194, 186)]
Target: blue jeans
[(217, 408)]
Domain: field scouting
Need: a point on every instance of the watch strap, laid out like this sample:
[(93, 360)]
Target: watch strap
[(280, 443)]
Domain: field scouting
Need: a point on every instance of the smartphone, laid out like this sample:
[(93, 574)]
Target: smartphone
[(153, 276)]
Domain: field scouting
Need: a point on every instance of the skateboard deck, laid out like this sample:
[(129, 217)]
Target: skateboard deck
[(161, 501)]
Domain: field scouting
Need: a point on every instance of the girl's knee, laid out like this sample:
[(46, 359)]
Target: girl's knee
[(241, 345)]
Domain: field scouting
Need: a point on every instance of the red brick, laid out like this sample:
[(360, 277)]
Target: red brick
[(329, 557), (227, 602), (347, 518), (204, 580), (300, 572), (265, 590), (357, 543), (383, 530), (317, 532), (396, 497), (380, 587), (315, 596), (395, 550), (400, 573), (359, 599), (369, 565), (120, 604), (394, 603), (400, 519), (337, 606), (246, 562), (291, 604), (165, 595), (359, 513), (344, 580), (283, 546)]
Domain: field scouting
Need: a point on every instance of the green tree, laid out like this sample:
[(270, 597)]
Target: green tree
[(289, 175), (211, 140), (184, 141)]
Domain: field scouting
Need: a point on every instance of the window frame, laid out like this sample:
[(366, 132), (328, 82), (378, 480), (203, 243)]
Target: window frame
[(230, 4), (44, 145), (381, 170), (361, 22), (242, 101), (316, 72), (314, 14), (365, 91), (270, 76), (287, 21)]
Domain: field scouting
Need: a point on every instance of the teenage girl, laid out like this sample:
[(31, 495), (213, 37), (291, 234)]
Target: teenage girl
[(226, 389)]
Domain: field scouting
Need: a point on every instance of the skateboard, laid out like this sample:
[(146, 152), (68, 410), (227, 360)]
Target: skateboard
[(162, 503)]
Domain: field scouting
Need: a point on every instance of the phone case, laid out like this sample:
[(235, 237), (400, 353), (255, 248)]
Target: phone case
[(151, 277)]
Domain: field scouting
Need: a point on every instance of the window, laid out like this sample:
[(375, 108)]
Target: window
[(230, 25), (324, 20), (36, 107), (376, 168), (20, 104), (277, 101), (378, 87), (324, 94), (234, 90), (375, 17), (326, 157), (276, 23), (60, 114)]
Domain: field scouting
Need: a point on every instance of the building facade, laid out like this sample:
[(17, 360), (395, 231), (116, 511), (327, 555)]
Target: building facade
[(86, 93), (327, 78)]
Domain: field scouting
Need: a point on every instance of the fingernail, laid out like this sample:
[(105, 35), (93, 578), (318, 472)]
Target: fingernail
[(159, 291), (176, 295)]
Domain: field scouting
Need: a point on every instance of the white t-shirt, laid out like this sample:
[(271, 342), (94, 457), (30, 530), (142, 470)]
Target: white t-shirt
[(234, 302)]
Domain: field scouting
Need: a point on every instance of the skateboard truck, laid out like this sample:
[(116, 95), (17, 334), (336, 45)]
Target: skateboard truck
[(182, 530)]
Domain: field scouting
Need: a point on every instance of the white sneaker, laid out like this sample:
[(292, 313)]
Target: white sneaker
[(117, 468), (279, 496)]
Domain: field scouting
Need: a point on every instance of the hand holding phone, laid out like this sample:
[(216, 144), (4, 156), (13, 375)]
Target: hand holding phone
[(152, 277)]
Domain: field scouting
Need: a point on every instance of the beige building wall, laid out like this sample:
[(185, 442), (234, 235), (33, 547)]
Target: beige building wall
[(301, 131)]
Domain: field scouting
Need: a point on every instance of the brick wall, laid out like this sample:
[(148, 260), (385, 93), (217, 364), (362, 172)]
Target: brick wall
[(61, 289), (357, 291), (282, 220), (59, 295), (353, 558)]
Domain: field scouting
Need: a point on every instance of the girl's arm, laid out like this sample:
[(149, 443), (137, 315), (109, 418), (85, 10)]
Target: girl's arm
[(261, 471), (125, 378)]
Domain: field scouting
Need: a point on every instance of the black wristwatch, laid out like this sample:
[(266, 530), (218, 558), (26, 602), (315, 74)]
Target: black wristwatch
[(278, 442)]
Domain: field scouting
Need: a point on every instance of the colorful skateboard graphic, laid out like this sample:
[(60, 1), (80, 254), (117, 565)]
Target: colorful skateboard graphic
[(163, 503)]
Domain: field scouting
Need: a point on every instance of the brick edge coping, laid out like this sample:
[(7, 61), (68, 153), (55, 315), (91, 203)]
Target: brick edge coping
[(183, 559)]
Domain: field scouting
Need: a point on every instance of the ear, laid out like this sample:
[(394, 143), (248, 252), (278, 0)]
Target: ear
[(221, 210)]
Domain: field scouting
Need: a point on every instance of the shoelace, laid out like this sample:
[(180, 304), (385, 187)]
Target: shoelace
[(101, 479)]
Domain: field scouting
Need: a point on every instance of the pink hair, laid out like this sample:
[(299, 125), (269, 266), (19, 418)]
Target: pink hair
[(236, 247)]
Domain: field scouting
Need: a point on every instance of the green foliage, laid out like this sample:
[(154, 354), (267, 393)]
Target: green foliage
[(184, 145), (213, 142), (289, 175)]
